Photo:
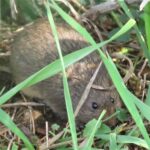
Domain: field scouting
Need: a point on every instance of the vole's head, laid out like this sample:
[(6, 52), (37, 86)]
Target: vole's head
[(97, 101)]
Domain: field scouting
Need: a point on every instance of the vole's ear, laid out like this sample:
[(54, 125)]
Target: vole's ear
[(4, 62)]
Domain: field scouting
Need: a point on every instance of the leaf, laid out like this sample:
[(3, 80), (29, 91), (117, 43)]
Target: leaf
[(6, 120)]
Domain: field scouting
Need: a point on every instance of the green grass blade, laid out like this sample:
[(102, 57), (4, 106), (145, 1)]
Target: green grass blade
[(143, 107), (147, 101), (128, 98), (147, 25), (6, 120), (97, 125), (113, 142), (14, 147), (67, 95)]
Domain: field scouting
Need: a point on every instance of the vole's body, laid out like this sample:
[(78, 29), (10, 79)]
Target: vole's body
[(34, 48)]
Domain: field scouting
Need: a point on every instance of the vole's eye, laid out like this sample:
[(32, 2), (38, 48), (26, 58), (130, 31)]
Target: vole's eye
[(94, 105), (112, 100)]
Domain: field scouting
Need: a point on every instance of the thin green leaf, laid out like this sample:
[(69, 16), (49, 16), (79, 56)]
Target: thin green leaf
[(14, 147), (147, 101), (6, 120), (147, 25), (67, 95), (113, 142), (97, 125)]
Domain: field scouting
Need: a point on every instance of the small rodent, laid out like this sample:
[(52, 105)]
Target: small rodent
[(34, 47)]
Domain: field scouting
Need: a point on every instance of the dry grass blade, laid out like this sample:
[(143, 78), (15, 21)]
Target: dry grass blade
[(51, 141), (21, 104), (87, 90)]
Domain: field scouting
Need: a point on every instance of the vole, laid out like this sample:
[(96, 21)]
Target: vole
[(34, 48)]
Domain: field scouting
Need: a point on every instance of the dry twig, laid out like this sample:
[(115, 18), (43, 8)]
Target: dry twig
[(106, 7)]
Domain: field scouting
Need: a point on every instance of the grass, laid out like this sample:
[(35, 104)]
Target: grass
[(147, 25), (131, 101)]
